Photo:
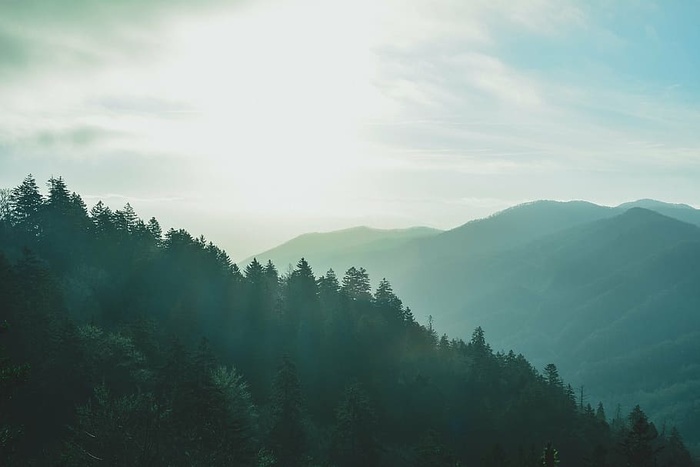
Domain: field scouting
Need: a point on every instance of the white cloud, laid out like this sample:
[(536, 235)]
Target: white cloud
[(278, 106)]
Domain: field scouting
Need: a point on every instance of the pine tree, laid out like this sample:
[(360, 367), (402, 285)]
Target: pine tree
[(600, 414), (238, 424), (328, 291), (59, 199), (102, 218), (26, 204), (496, 457), (272, 278), (677, 454), (302, 295), (431, 452), (550, 456), (154, 229), (551, 374), (355, 443), (5, 207), (11, 377), (637, 445), (478, 342), (287, 435), (356, 284), (387, 301), (256, 294), (618, 423)]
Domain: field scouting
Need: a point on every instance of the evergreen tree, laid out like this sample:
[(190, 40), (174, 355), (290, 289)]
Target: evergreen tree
[(256, 294), (355, 442), (431, 452), (600, 413), (26, 204), (59, 199), (677, 454), (113, 430), (550, 456), (287, 437), (102, 219), (5, 206), (272, 279), (496, 457), (302, 295), (637, 445), (478, 342), (329, 293), (618, 424), (551, 374), (388, 302), (356, 284), (239, 423), (11, 377), (129, 217), (142, 402), (154, 228)]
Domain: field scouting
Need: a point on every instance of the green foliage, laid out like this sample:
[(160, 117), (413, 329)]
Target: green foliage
[(637, 445), (355, 442), (431, 452), (11, 378), (356, 284), (26, 204), (550, 456), (115, 431), (132, 337), (287, 435)]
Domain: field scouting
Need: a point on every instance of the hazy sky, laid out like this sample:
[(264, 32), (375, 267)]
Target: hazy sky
[(253, 121)]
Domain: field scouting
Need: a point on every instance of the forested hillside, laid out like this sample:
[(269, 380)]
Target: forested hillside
[(124, 346), (610, 294)]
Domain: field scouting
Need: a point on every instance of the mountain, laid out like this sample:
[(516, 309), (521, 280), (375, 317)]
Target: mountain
[(682, 212), (341, 248), (123, 346), (608, 293), (615, 302)]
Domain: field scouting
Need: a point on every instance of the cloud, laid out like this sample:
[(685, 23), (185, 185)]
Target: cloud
[(82, 136), (448, 102), (141, 105), (41, 34), (546, 17)]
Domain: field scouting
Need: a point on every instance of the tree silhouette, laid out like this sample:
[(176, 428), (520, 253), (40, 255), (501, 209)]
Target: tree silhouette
[(287, 437), (550, 456)]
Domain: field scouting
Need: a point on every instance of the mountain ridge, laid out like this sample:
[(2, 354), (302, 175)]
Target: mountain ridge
[(572, 282)]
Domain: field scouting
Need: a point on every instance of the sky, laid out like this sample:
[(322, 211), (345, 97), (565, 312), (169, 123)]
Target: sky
[(251, 122)]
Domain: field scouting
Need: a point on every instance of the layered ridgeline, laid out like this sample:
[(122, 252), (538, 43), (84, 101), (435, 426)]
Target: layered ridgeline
[(611, 294), (342, 248), (124, 346)]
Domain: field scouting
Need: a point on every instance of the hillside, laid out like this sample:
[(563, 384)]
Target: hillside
[(608, 300), (606, 292), (122, 345)]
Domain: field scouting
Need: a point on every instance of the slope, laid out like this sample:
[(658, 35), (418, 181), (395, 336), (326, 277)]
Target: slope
[(614, 302), (341, 247)]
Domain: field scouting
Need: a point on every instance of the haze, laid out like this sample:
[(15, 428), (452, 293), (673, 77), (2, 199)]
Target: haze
[(252, 122)]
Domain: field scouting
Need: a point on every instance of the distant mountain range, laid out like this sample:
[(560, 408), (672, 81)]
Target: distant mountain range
[(340, 249), (609, 294)]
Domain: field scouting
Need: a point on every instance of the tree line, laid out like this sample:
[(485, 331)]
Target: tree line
[(125, 345)]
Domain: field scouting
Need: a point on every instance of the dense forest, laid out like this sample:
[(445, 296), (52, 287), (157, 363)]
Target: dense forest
[(122, 345), (608, 293)]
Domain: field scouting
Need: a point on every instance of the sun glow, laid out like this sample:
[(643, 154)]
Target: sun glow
[(277, 96)]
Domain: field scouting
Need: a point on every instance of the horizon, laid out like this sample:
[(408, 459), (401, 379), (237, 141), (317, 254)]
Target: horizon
[(255, 122), (247, 255)]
